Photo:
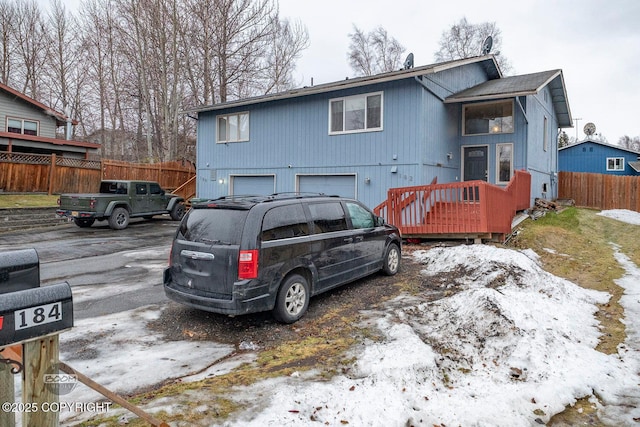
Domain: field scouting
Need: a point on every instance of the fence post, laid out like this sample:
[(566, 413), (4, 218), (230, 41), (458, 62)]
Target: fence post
[(40, 358), (52, 175), (7, 418)]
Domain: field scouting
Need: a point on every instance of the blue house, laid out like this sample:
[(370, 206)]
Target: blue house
[(455, 121), (594, 156)]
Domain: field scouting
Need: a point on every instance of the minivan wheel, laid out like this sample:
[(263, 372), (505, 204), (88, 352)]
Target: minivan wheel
[(391, 260), (292, 300)]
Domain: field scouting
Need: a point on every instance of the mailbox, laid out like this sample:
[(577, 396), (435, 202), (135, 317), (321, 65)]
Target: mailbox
[(31, 313), (19, 270)]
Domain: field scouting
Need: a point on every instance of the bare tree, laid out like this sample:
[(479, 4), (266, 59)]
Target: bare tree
[(127, 68), (374, 52), (31, 45), (240, 41), (630, 143), (7, 18), (287, 42), (465, 40), (64, 73)]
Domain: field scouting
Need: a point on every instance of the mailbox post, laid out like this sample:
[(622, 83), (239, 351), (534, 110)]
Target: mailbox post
[(31, 316)]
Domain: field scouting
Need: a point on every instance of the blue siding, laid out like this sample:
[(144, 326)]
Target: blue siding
[(592, 157), (292, 137), (421, 139), (541, 163)]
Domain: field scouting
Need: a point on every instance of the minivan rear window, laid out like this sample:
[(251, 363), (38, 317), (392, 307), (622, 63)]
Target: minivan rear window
[(222, 226), (284, 222)]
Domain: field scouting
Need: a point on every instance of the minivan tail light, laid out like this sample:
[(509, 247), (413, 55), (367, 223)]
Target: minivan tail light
[(248, 265)]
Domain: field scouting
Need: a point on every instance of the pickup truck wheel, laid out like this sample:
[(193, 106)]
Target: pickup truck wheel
[(84, 223), (177, 212), (119, 219), (292, 300)]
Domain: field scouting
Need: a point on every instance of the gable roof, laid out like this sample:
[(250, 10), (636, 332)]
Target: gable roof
[(604, 144), (61, 118), (526, 84), (488, 62)]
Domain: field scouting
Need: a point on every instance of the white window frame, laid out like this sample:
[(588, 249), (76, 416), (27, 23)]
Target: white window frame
[(498, 146), (238, 137), (618, 162), (22, 121), (366, 128), (496, 131)]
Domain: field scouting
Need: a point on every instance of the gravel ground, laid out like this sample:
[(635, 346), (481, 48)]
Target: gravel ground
[(179, 322)]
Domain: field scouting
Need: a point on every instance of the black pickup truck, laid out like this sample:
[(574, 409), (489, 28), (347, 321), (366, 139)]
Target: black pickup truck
[(118, 201)]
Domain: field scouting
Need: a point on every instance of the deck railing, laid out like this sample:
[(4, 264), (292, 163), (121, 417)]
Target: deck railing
[(474, 208)]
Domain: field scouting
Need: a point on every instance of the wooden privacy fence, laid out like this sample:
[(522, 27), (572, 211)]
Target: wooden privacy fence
[(600, 191), (460, 209), (51, 174)]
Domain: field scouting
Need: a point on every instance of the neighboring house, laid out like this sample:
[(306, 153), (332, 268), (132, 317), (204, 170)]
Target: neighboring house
[(457, 121), (30, 127), (594, 156)]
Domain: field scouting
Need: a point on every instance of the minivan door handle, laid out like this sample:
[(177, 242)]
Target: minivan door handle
[(348, 240), (359, 238), (197, 255)]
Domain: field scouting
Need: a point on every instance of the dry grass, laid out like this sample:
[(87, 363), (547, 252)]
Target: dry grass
[(582, 241), (28, 201)]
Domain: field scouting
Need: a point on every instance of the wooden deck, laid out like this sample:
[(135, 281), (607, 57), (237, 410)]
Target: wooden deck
[(470, 210)]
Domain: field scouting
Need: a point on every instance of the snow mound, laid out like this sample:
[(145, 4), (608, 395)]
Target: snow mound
[(489, 339)]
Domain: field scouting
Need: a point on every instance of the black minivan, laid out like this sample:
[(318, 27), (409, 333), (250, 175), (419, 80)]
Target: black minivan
[(245, 254)]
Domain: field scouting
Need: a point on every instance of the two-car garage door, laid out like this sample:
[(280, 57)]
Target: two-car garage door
[(341, 185), (254, 185)]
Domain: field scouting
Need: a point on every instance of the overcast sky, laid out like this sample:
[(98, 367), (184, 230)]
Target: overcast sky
[(596, 43)]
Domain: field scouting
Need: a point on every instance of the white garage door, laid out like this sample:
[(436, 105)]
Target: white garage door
[(341, 185), (252, 185)]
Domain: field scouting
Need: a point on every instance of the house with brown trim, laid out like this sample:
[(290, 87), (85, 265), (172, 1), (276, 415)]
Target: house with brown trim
[(29, 126)]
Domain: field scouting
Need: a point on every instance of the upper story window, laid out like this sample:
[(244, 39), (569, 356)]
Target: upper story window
[(22, 126), (359, 113), (488, 118), (615, 163), (233, 127)]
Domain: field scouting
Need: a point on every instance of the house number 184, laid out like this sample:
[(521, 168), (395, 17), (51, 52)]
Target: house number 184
[(35, 316)]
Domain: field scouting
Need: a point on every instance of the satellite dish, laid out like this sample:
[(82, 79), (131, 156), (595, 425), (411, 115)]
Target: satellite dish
[(486, 45), (408, 63), (589, 129)]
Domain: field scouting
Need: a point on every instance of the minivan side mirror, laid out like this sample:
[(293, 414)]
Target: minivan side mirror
[(379, 221)]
